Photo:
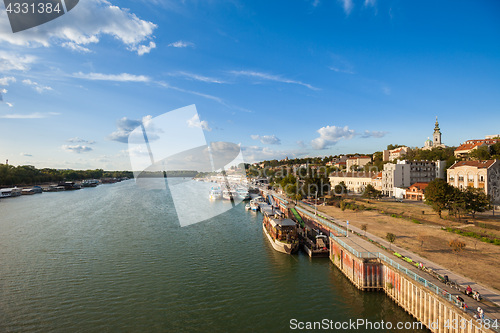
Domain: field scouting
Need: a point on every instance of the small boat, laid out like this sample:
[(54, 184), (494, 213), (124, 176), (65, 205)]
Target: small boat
[(243, 194), (253, 205), (247, 207), (229, 195), (27, 191), (37, 189), (215, 194), (281, 232)]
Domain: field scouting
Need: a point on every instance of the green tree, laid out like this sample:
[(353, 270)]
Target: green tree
[(438, 195), (481, 153), (371, 192), (391, 238), (475, 200)]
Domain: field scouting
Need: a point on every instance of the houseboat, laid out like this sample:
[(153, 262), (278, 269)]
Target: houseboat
[(281, 232), (10, 192)]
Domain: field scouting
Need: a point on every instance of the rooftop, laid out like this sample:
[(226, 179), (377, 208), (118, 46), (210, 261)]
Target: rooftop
[(477, 164)]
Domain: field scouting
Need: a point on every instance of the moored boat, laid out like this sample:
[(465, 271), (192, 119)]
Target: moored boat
[(281, 232), (27, 191), (215, 193)]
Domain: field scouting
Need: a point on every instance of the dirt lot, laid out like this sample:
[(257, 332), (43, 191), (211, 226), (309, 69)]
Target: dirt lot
[(479, 261)]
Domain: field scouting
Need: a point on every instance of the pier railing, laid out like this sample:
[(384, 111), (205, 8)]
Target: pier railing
[(364, 254), (323, 221), (413, 276)]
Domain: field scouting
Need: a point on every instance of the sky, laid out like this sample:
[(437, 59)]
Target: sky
[(281, 78)]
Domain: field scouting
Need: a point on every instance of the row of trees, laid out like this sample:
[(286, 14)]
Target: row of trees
[(442, 196), (28, 175)]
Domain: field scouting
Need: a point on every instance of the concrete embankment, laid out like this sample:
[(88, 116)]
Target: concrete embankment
[(427, 299)]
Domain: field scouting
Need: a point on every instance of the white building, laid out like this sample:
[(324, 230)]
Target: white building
[(360, 161), (394, 154), (405, 173), (354, 181)]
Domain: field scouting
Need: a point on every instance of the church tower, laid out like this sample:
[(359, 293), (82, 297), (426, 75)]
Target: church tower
[(437, 135)]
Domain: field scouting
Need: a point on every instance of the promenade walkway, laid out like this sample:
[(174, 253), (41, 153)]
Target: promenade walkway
[(491, 310)]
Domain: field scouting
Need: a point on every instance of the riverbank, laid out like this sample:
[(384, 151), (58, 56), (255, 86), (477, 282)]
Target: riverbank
[(477, 261)]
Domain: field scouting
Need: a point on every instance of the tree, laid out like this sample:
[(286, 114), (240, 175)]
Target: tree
[(371, 192), (438, 194), (391, 238), (480, 153), (457, 246), (340, 189), (475, 200), (364, 227)]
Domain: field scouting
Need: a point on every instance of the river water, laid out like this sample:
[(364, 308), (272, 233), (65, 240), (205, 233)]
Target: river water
[(115, 259)]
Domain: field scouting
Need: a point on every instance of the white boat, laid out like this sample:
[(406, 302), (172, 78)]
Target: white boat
[(10, 192), (243, 194), (229, 195), (253, 205), (215, 194), (247, 207), (281, 232)]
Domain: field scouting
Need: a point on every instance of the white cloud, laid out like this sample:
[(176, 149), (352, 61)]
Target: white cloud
[(370, 3), (123, 77), (347, 5), (195, 122), (34, 115), (38, 87), (14, 62), (271, 77), (143, 49), (341, 70), (9, 104), (386, 90), (373, 134), (267, 139), (197, 77), (75, 47), (84, 25), (80, 140), (4, 81), (26, 154), (76, 148), (181, 44), (316, 3), (3, 91), (125, 126), (330, 135)]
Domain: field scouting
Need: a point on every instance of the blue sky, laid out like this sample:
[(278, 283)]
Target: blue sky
[(283, 78)]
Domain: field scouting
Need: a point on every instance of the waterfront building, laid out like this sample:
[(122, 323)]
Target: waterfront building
[(436, 138), (465, 148), (478, 174), (405, 173), (359, 161)]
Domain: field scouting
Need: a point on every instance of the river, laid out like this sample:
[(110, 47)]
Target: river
[(115, 259)]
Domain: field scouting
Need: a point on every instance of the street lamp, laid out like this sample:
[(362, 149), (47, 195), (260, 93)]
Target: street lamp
[(316, 204)]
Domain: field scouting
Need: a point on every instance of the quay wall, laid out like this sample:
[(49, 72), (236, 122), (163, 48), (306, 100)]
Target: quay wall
[(364, 273), (417, 296), (435, 312)]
